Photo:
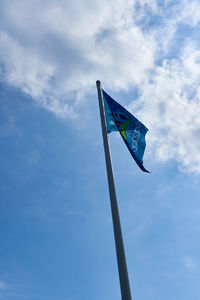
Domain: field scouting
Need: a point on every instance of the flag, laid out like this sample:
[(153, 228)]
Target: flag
[(132, 131)]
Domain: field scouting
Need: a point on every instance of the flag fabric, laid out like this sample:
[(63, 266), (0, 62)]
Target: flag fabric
[(132, 131)]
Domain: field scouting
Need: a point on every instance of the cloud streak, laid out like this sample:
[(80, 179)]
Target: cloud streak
[(3, 285)]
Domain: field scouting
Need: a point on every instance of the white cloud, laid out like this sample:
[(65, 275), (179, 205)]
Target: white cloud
[(63, 48), (169, 105), (189, 12)]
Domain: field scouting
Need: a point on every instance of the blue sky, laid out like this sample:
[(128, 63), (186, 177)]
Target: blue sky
[(56, 238)]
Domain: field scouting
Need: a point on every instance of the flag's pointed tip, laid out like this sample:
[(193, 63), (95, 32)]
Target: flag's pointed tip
[(142, 168), (146, 171)]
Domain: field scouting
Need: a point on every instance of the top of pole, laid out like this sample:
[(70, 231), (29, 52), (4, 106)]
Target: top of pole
[(98, 82)]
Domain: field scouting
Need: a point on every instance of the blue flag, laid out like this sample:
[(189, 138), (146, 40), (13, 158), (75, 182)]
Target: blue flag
[(132, 131)]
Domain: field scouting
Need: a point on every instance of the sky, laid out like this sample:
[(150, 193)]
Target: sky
[(56, 238)]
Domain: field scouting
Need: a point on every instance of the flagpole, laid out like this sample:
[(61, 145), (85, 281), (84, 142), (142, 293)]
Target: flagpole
[(121, 259)]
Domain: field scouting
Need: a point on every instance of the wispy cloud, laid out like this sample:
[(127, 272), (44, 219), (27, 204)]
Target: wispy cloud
[(8, 291), (189, 263), (34, 157), (3, 285)]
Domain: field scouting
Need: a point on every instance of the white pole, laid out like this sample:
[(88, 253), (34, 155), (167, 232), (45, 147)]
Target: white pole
[(121, 259)]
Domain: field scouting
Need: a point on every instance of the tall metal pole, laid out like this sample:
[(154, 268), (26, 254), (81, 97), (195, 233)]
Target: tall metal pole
[(121, 259)]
